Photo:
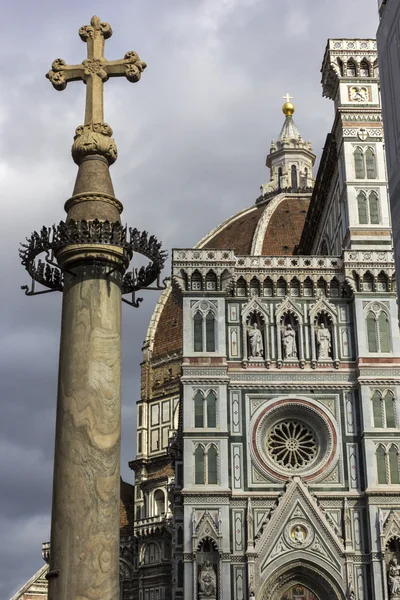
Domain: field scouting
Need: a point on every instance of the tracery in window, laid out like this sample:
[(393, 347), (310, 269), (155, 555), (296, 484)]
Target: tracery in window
[(364, 69), (368, 208), (206, 465), (364, 163), (387, 463), (197, 281), (204, 328), (378, 329), (205, 409), (383, 408), (351, 69)]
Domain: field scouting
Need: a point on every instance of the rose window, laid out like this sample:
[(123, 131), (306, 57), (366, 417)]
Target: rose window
[(292, 445), (294, 436)]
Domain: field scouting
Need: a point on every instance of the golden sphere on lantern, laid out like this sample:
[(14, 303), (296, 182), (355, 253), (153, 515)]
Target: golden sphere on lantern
[(288, 109)]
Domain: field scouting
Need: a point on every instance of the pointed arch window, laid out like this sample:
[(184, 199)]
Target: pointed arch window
[(377, 409), (199, 410), (373, 208), (211, 409), (370, 163), (198, 332), (362, 208), (351, 69), (205, 409), (206, 465), (378, 330), (212, 475), (359, 163), (210, 332), (390, 414), (364, 69), (394, 465), (381, 465), (199, 465), (293, 172)]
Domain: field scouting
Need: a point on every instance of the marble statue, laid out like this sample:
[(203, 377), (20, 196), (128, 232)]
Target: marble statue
[(256, 342), (207, 581), (324, 342), (394, 578), (289, 342)]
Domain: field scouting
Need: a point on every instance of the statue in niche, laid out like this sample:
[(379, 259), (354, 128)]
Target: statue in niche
[(207, 581), (394, 578), (256, 342), (324, 342), (289, 342)]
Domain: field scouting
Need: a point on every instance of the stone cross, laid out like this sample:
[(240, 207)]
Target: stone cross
[(94, 136), (95, 69), (288, 98)]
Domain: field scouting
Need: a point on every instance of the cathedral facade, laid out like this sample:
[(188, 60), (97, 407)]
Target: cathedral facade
[(268, 428)]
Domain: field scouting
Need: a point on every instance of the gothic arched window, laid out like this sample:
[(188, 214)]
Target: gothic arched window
[(373, 203), (211, 409), (212, 475), (198, 332), (199, 465), (371, 333), (377, 409), (197, 281), (151, 554), (378, 330), (370, 163), (210, 332), (364, 69), (359, 164), (381, 465), (394, 465), (211, 281), (390, 415), (279, 177), (180, 573), (294, 177), (362, 208), (384, 332), (351, 69), (198, 410)]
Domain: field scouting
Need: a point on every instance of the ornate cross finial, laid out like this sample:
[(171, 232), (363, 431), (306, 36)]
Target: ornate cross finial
[(288, 98), (94, 137)]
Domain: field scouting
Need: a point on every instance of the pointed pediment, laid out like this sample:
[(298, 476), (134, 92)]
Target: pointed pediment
[(323, 306), (298, 523), (36, 587), (206, 527), (391, 526), (255, 305), (289, 306)]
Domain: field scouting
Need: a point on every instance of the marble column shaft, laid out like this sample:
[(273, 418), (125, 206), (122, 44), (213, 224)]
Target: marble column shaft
[(84, 554)]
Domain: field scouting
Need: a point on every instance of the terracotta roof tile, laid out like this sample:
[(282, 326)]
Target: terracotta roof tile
[(285, 227), (238, 235), (169, 333)]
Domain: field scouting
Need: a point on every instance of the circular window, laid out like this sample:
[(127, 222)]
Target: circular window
[(292, 445), (294, 436)]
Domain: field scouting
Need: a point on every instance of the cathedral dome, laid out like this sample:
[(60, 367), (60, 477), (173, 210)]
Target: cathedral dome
[(271, 227)]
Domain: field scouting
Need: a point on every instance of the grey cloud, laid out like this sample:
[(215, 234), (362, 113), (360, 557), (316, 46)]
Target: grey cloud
[(192, 137)]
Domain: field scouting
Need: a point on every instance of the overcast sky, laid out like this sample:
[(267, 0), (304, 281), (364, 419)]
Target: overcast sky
[(192, 137)]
